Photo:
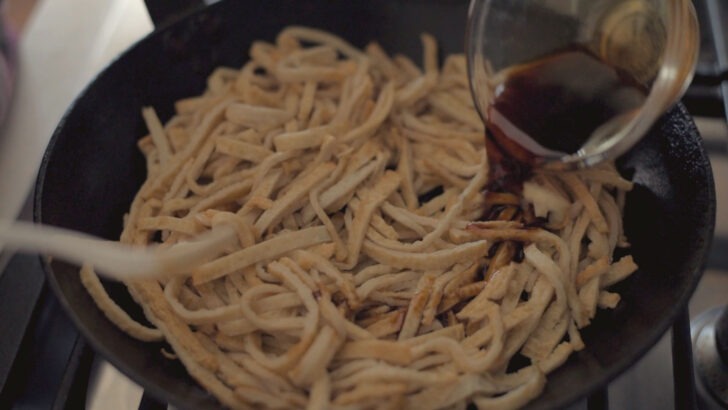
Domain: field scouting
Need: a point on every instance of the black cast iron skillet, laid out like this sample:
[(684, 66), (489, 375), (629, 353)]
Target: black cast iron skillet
[(92, 169)]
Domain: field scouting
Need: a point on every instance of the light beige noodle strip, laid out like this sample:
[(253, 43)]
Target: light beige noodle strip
[(262, 251)]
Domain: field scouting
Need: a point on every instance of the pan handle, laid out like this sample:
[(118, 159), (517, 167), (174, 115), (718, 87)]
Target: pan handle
[(164, 12)]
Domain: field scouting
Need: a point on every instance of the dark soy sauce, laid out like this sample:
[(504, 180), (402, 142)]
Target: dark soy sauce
[(553, 105)]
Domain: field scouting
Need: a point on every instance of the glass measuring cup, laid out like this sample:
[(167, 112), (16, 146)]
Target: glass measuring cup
[(564, 84)]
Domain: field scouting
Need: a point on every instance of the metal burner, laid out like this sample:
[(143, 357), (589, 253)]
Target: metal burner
[(710, 364)]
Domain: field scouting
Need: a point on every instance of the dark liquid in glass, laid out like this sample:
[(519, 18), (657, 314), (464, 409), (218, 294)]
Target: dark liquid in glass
[(555, 103)]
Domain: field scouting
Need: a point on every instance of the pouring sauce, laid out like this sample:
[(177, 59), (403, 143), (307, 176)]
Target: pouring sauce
[(551, 107)]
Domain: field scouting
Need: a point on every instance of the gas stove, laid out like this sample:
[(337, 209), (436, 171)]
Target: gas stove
[(46, 364)]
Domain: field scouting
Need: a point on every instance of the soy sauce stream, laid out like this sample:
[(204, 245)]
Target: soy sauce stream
[(550, 106)]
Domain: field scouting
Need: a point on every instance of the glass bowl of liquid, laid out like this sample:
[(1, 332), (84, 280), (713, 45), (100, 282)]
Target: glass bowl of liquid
[(564, 84)]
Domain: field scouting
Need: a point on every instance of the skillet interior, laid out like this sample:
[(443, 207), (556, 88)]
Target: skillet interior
[(92, 170)]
